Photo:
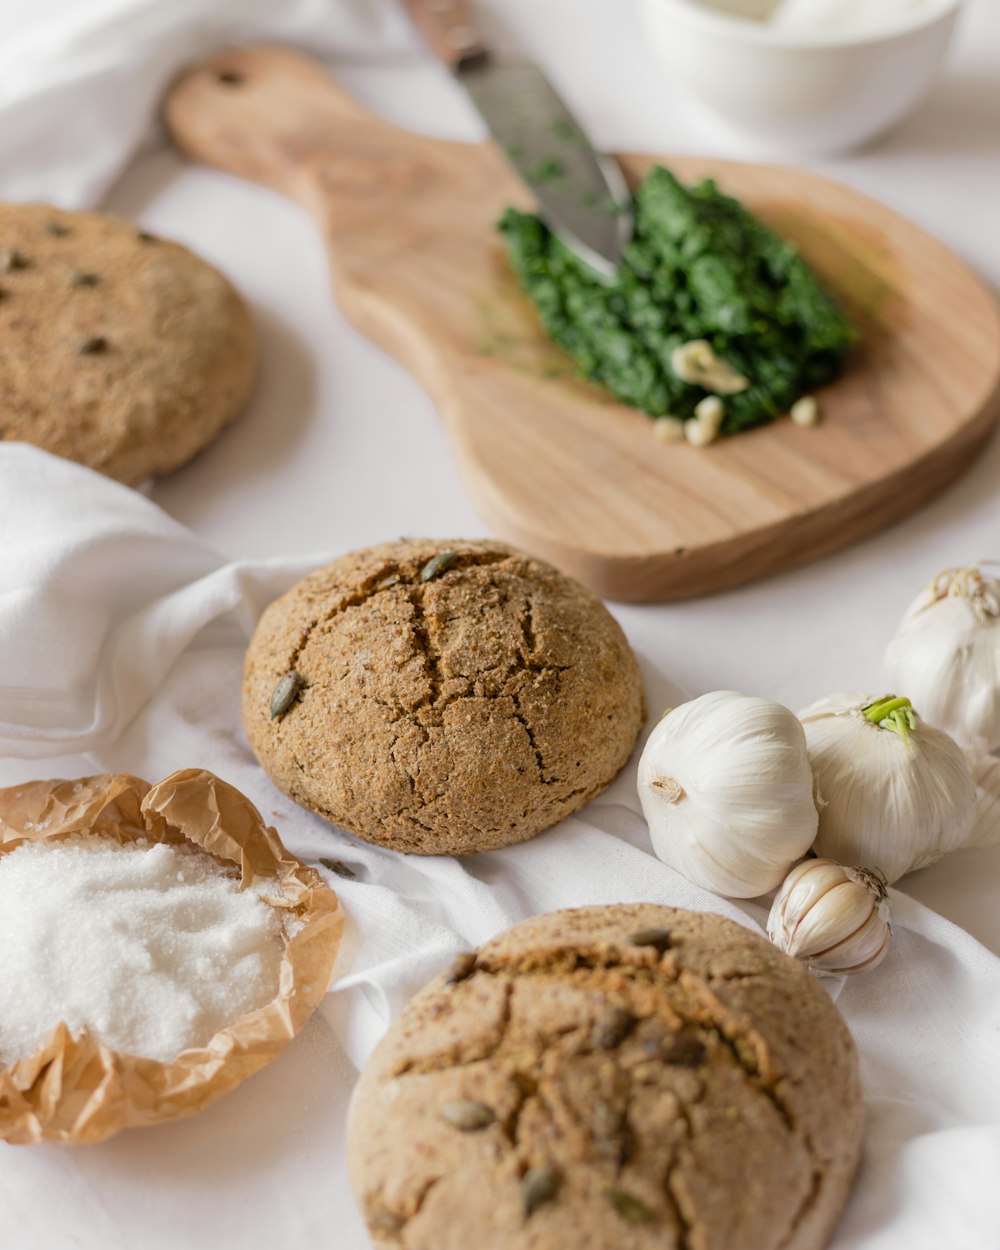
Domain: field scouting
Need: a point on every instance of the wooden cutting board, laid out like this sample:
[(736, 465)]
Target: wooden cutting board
[(552, 462)]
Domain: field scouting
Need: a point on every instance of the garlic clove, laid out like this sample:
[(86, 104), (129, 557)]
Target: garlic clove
[(866, 947), (832, 918), (820, 929), (810, 880)]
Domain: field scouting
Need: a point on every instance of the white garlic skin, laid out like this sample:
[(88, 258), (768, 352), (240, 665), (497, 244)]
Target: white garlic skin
[(885, 803), (727, 792), (946, 656), (985, 771), (834, 919)]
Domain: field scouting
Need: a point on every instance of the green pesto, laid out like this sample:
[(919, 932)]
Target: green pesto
[(551, 169), (699, 266)]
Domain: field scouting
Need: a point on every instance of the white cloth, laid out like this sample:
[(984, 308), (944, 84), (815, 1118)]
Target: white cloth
[(83, 82), (123, 644)]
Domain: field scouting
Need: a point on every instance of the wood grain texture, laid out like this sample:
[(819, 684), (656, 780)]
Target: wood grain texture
[(554, 463)]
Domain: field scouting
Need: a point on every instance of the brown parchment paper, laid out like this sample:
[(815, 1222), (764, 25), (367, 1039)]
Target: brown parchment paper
[(75, 1090)]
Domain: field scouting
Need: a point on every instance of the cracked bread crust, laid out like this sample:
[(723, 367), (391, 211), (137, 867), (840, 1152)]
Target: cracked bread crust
[(451, 715), (675, 1081), (118, 350)]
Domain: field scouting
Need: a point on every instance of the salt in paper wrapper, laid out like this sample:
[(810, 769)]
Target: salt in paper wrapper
[(76, 1090)]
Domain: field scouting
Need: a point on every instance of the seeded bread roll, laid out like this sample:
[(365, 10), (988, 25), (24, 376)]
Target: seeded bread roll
[(119, 350), (611, 1078), (441, 698)]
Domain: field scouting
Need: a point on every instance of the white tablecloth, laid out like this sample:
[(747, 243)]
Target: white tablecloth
[(339, 449)]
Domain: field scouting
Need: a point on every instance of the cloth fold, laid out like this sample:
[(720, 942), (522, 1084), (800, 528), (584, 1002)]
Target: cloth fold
[(85, 85), (100, 593)]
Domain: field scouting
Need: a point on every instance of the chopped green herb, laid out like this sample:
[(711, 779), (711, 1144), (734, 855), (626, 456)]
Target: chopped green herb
[(550, 169), (563, 128), (699, 266)]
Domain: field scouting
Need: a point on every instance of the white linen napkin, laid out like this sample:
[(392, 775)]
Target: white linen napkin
[(83, 82)]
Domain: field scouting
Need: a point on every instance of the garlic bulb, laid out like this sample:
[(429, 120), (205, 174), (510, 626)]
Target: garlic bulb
[(834, 919), (946, 653), (727, 792), (985, 771), (894, 793)]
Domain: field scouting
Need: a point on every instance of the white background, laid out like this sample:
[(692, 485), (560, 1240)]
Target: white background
[(340, 448)]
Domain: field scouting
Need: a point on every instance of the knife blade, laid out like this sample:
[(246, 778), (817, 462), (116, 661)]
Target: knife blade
[(581, 195)]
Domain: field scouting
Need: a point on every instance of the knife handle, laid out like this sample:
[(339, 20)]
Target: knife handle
[(448, 28)]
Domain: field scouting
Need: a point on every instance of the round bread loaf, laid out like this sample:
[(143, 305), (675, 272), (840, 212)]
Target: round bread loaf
[(118, 349), (441, 698), (611, 1078)]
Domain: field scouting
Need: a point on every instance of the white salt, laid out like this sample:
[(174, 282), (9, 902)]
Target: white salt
[(153, 947)]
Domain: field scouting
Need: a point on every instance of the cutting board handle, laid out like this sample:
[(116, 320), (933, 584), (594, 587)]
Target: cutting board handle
[(448, 28), (270, 115)]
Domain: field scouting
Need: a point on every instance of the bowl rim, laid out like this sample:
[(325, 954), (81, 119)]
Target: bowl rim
[(713, 21)]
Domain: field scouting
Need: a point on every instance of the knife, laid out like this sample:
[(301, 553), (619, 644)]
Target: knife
[(581, 195)]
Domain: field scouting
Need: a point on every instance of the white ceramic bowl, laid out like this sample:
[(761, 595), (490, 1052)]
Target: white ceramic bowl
[(816, 90)]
